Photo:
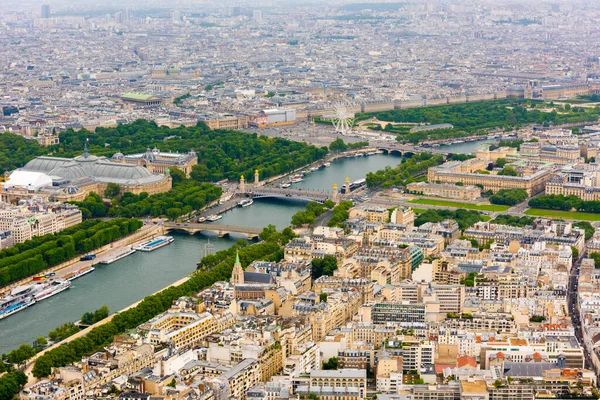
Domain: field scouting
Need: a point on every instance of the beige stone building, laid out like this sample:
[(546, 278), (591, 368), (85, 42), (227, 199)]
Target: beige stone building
[(158, 162), (403, 216), (532, 178), (23, 224), (231, 122), (445, 190)]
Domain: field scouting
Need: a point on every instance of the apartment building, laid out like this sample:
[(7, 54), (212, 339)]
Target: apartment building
[(25, 223), (339, 384), (582, 180), (184, 329)]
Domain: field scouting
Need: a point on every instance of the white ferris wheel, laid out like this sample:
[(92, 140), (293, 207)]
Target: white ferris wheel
[(342, 117)]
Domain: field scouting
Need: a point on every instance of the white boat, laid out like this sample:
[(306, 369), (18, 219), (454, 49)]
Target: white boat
[(51, 288), (21, 297), (71, 276), (117, 257), (11, 306), (296, 180), (154, 244), (379, 152), (327, 164), (246, 203), (201, 220), (213, 218), (314, 168), (285, 185)]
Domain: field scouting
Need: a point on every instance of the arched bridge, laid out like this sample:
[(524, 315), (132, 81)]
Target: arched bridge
[(402, 149), (220, 230), (309, 195)]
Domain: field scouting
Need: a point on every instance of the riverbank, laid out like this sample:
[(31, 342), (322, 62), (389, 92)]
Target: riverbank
[(30, 363), (111, 249)]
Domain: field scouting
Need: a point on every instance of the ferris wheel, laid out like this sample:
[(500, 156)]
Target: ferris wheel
[(342, 117)]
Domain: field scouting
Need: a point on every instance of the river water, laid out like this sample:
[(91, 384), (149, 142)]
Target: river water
[(128, 280)]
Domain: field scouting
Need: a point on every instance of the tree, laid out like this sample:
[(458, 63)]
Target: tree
[(20, 354), (112, 190), (200, 173), (41, 341), (509, 197), (338, 145), (42, 367), (508, 171), (303, 218), (575, 252), (501, 162), (323, 297), (91, 318), (340, 213), (268, 231), (332, 363), (323, 266), (329, 204), (596, 257), (177, 175), (587, 227)]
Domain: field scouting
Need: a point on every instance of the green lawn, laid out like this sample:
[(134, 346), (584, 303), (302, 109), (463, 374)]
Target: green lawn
[(538, 212), (419, 210), (469, 206)]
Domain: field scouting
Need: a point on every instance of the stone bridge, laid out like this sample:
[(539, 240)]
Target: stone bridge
[(264, 191), (402, 149), (221, 230)]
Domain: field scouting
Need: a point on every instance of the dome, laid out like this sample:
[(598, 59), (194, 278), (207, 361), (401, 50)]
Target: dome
[(149, 155), (45, 164), (107, 169), (70, 170), (118, 156), (86, 158)]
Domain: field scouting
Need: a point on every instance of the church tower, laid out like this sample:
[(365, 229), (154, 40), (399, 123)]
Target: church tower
[(237, 275)]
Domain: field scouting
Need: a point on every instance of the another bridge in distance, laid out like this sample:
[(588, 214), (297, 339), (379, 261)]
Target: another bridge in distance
[(221, 230), (265, 191)]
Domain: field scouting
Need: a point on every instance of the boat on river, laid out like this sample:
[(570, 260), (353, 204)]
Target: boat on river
[(246, 203), (119, 256), (71, 276), (154, 244)]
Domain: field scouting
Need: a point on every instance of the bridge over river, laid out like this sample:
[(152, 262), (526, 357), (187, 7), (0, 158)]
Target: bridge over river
[(221, 230), (309, 195)]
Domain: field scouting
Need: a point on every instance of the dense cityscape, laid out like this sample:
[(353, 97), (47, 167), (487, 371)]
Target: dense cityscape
[(299, 200)]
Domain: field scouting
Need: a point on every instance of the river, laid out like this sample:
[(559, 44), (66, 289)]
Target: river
[(128, 280)]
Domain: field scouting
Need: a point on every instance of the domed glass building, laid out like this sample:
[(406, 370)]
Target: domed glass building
[(71, 179)]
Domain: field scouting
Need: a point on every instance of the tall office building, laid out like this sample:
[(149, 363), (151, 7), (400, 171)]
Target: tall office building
[(45, 11), (119, 17), (257, 15), (236, 11)]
